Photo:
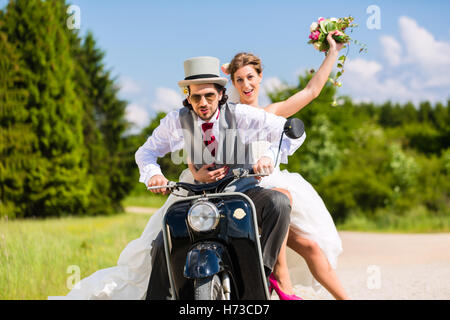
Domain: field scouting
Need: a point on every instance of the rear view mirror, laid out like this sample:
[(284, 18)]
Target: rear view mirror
[(294, 128)]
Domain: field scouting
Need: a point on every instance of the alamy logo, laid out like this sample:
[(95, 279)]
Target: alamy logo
[(74, 20)]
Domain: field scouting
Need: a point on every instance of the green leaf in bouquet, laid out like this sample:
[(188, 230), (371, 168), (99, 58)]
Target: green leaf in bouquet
[(340, 65), (330, 26), (342, 58), (338, 74), (322, 26), (322, 37)]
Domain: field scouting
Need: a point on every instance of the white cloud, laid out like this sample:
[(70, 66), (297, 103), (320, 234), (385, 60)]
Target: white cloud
[(363, 68), (129, 86), (428, 56), (417, 68), (366, 81), (421, 46), (167, 100), (272, 84), (138, 115), (392, 50)]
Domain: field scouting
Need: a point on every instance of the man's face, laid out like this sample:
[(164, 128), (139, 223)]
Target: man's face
[(204, 99)]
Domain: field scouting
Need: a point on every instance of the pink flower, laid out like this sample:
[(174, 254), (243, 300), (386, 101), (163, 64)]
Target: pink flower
[(314, 35), (320, 19)]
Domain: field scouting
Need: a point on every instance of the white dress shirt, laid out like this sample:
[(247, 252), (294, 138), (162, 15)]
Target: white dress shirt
[(254, 124)]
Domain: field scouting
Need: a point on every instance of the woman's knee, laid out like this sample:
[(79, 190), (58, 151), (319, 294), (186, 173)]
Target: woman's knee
[(308, 246)]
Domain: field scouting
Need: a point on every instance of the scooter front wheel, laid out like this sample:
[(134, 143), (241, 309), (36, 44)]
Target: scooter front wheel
[(209, 288)]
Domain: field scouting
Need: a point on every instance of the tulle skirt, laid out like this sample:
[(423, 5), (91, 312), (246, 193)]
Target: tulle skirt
[(129, 279)]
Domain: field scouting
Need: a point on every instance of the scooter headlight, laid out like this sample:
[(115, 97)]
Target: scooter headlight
[(203, 216)]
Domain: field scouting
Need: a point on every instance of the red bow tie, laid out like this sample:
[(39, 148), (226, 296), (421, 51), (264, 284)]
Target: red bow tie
[(208, 137)]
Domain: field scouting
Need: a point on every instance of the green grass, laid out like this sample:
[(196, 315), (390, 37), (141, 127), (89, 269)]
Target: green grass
[(146, 200), (35, 254), (418, 220)]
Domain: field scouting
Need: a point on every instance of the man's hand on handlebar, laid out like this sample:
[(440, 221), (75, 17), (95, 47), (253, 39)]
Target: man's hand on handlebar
[(263, 166), (158, 180)]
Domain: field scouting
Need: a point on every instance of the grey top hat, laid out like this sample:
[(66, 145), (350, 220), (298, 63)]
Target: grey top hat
[(200, 70)]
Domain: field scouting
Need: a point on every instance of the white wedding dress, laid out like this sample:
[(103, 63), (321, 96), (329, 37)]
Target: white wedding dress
[(129, 279)]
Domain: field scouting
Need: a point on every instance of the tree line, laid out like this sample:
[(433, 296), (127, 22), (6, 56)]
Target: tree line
[(62, 143)]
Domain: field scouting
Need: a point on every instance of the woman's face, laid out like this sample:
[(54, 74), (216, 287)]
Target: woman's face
[(247, 81)]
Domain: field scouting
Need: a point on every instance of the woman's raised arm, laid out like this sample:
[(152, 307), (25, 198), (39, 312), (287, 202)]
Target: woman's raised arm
[(312, 90)]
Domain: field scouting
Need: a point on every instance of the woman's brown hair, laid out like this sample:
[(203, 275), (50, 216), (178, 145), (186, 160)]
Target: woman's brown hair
[(243, 59)]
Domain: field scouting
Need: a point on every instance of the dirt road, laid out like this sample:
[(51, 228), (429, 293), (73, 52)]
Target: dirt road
[(389, 266)]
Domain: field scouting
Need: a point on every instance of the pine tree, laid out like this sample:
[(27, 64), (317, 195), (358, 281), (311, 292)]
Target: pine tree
[(15, 158), (104, 126), (55, 182)]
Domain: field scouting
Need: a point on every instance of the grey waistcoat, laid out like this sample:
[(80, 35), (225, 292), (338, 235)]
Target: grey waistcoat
[(231, 151)]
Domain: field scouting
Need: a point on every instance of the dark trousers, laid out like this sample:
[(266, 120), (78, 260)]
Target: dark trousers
[(273, 213)]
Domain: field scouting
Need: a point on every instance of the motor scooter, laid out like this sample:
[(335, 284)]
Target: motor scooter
[(211, 239)]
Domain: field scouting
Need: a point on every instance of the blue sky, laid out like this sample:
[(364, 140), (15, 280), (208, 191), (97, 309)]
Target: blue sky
[(146, 43)]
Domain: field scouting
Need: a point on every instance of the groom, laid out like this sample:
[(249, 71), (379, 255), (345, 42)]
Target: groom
[(202, 128)]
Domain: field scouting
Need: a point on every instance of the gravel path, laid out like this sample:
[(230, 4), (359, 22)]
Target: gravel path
[(389, 266)]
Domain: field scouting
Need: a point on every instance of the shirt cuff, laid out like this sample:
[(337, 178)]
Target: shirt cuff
[(149, 171)]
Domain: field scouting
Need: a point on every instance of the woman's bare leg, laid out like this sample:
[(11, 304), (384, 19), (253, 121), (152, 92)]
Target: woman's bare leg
[(317, 263)]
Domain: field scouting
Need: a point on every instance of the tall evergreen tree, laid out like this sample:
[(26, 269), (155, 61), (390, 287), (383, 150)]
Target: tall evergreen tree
[(55, 182), (16, 159), (104, 126)]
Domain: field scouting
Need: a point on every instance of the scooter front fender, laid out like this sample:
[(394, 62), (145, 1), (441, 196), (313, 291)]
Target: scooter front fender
[(204, 260)]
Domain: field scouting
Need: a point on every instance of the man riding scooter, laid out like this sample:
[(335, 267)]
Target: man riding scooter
[(202, 128)]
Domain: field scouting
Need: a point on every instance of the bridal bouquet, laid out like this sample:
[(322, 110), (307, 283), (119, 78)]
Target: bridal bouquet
[(336, 26), (321, 29)]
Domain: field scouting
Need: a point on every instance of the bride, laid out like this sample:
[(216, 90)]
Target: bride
[(312, 233)]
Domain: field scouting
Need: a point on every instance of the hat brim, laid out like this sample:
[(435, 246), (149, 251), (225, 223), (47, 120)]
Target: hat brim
[(217, 80)]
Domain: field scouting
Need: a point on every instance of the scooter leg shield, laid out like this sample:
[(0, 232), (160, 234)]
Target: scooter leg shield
[(204, 260)]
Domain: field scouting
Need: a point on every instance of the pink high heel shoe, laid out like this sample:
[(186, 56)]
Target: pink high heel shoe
[(283, 296)]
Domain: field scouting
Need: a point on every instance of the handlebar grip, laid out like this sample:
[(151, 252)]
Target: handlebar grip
[(170, 185), (158, 187)]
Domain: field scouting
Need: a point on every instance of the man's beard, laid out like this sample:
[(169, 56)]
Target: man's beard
[(206, 118)]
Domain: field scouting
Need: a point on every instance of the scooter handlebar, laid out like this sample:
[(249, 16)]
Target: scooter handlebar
[(170, 185), (237, 174)]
